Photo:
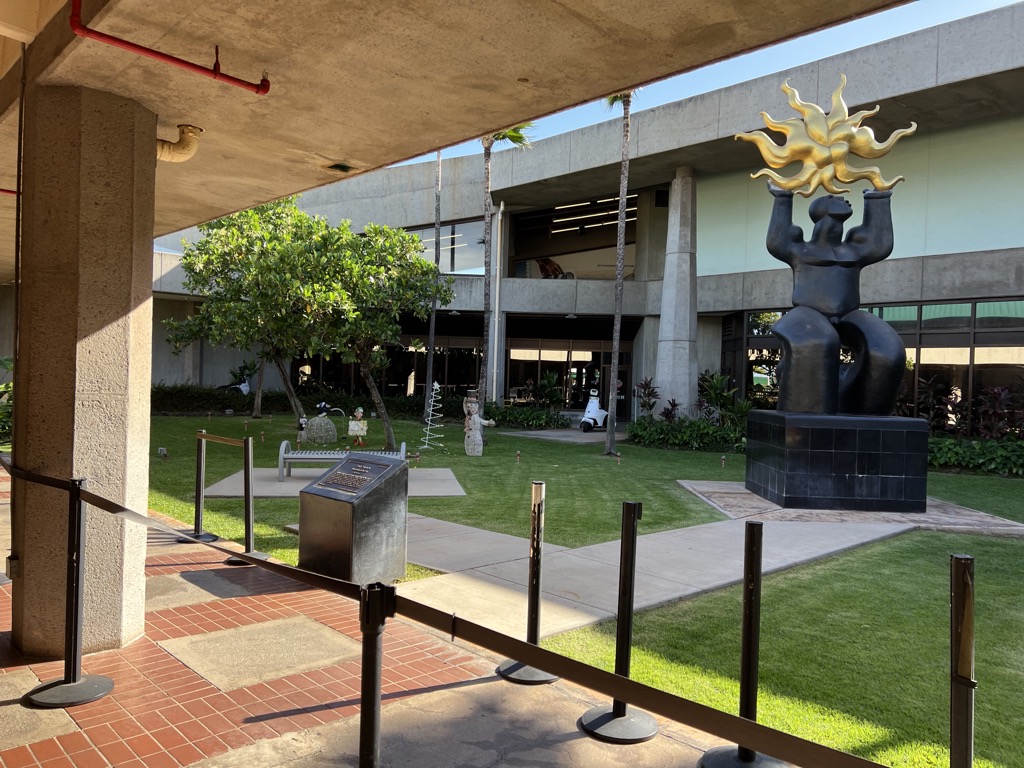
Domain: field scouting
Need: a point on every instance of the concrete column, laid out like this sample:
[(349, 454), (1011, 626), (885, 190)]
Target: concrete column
[(83, 368), (676, 373)]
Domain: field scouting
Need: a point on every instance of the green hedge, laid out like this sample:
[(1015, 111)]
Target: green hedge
[(1002, 457), (686, 434), (192, 399), (525, 417)]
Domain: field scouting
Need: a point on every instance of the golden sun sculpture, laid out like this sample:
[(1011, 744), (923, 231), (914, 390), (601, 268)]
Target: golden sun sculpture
[(822, 143)]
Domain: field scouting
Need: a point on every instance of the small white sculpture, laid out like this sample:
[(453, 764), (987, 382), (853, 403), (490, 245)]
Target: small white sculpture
[(357, 428), (474, 427)]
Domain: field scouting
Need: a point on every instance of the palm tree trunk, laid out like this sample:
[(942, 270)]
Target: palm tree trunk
[(378, 404), (488, 212), (428, 384), (289, 391), (620, 268)]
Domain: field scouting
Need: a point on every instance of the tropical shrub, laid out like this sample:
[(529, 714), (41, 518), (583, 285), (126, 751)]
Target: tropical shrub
[(526, 417), (1002, 457), (648, 395), (686, 434)]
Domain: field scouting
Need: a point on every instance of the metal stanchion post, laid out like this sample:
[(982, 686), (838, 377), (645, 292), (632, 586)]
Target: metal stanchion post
[(197, 533), (516, 671), (75, 688), (376, 603), (961, 667), (750, 648), (618, 724), (250, 524)]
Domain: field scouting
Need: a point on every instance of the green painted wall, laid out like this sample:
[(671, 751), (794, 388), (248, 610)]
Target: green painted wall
[(962, 194)]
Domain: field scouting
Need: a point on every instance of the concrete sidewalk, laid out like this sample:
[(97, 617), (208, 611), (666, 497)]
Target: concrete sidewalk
[(486, 573)]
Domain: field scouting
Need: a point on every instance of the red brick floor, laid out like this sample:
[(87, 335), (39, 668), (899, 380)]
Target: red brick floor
[(162, 714)]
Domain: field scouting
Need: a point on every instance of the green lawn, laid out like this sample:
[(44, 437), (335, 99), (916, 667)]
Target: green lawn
[(854, 649), (584, 490)]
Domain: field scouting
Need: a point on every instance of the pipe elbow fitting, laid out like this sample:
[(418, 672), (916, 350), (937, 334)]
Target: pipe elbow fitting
[(181, 150)]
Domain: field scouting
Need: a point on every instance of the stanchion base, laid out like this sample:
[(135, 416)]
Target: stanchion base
[(57, 693), (634, 727), (728, 757), (517, 672), (239, 561), (198, 537)]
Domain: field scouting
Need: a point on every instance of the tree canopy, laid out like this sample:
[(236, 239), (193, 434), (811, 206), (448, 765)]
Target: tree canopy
[(277, 278)]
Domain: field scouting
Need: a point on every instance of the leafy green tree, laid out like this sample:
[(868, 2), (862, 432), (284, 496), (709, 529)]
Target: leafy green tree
[(276, 277), (517, 136), (385, 276), (626, 100), (266, 283)]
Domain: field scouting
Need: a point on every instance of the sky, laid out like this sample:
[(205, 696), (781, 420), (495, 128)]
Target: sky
[(920, 14)]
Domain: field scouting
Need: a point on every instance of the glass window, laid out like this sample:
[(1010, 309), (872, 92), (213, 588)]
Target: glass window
[(902, 319), (524, 354), (945, 316), (999, 356), (760, 323), (462, 248), (945, 355), (467, 248), (1000, 314)]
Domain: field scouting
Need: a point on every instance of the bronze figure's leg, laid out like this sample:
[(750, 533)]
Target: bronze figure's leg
[(809, 371), (870, 384)]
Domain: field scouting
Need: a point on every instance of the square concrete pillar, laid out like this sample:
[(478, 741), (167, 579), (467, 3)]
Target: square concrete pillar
[(676, 372), (83, 365)]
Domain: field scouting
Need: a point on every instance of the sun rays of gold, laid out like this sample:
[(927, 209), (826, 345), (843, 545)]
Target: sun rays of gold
[(822, 145)]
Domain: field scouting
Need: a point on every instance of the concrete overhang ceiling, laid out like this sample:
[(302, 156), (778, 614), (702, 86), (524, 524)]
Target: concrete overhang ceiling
[(360, 85)]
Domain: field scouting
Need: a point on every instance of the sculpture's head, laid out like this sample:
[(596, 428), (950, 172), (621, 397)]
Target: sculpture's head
[(833, 206)]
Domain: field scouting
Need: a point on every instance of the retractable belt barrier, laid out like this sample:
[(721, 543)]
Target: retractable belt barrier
[(752, 735)]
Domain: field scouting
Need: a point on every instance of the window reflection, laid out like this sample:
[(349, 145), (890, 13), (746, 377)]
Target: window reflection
[(902, 319), (462, 250), (946, 316), (1000, 314)]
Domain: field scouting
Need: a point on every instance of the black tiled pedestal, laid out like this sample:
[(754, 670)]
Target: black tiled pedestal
[(813, 461)]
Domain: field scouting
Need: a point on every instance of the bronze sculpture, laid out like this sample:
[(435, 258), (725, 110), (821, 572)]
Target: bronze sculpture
[(826, 313)]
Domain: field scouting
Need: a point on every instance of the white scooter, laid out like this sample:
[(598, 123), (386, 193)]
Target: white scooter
[(594, 415)]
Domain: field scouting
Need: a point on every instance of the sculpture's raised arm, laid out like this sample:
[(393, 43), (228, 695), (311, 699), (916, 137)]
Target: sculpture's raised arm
[(873, 239), (782, 233)]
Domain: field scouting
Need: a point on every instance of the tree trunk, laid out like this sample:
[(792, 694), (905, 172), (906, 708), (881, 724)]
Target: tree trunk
[(481, 393), (620, 268), (378, 404), (428, 384), (289, 391), (257, 400)]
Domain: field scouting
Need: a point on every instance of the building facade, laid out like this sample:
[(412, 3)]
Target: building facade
[(701, 288)]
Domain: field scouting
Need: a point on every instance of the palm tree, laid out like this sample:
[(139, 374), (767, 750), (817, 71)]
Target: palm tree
[(433, 305), (625, 99), (517, 136)]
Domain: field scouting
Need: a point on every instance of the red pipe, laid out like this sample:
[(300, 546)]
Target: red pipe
[(13, 192), (260, 88)]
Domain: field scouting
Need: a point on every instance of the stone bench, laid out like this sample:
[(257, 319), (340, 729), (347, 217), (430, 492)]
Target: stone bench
[(286, 457)]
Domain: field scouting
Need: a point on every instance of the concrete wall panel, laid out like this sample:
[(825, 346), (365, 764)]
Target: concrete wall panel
[(870, 72), (680, 123), (992, 38)]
